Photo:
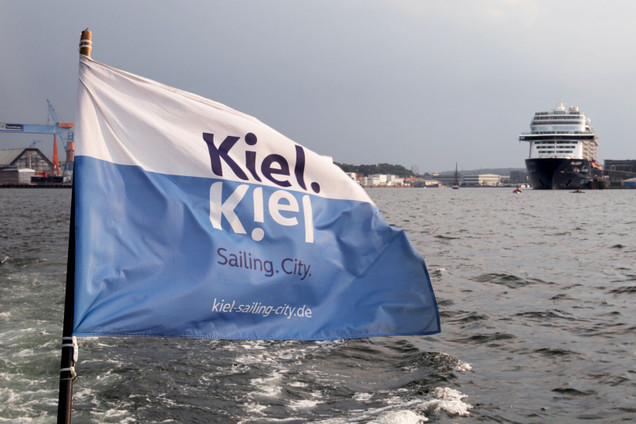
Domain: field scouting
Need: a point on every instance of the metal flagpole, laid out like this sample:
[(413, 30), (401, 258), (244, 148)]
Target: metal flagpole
[(67, 371), (69, 346)]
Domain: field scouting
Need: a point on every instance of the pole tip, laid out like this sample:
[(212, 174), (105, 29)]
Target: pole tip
[(86, 43)]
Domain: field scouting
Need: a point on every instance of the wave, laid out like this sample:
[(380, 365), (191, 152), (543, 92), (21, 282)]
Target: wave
[(492, 339), (508, 280), (623, 290), (545, 316)]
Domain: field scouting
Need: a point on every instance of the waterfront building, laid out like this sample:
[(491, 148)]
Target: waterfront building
[(15, 176), (618, 171), (383, 180), (480, 180), (376, 180), (28, 157), (27, 166), (358, 177), (449, 179)]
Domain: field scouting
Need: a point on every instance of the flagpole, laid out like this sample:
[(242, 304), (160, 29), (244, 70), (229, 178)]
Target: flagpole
[(69, 347), (67, 371)]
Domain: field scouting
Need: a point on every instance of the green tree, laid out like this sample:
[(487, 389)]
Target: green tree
[(380, 168)]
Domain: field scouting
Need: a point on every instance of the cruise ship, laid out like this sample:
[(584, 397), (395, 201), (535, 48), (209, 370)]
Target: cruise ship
[(562, 147)]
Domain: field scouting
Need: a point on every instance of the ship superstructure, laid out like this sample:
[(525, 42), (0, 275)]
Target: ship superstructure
[(562, 150)]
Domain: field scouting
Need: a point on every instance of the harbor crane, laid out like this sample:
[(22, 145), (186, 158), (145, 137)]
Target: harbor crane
[(61, 130)]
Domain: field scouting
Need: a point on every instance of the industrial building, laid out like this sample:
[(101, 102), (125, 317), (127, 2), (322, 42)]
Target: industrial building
[(448, 179), (25, 157), (17, 164), (620, 171), (470, 180), (26, 166), (482, 180)]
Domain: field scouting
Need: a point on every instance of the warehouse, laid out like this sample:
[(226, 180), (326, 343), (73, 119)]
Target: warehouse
[(25, 165)]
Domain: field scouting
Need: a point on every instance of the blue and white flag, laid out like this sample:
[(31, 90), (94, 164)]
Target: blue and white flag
[(195, 220)]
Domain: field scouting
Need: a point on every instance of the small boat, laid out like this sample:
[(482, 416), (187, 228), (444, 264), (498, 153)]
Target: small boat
[(455, 185), (516, 190)]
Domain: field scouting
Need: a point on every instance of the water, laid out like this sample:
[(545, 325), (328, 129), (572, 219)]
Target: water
[(536, 293)]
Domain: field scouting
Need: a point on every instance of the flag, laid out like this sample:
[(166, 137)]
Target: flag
[(195, 220)]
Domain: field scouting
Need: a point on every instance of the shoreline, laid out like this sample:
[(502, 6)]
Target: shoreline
[(35, 186)]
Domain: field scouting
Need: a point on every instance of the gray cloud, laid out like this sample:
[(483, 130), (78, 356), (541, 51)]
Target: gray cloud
[(408, 82)]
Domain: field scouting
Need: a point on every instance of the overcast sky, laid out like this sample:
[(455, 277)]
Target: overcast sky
[(411, 82)]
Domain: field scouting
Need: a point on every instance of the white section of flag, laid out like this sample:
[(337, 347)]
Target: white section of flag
[(131, 120)]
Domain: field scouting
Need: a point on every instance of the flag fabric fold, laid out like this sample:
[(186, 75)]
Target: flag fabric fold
[(196, 220)]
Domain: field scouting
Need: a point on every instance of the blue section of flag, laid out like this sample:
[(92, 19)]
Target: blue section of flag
[(150, 262)]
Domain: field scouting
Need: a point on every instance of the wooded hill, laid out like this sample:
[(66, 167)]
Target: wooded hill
[(399, 170), (380, 168)]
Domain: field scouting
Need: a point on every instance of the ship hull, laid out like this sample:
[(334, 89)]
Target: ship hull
[(562, 174)]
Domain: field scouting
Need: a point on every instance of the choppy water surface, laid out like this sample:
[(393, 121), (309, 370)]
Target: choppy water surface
[(536, 293)]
